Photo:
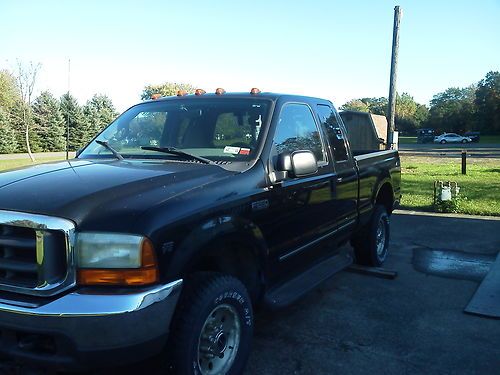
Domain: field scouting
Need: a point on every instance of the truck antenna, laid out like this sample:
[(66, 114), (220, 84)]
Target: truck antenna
[(67, 113)]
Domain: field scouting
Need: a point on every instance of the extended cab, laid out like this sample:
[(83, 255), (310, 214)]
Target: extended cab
[(175, 222)]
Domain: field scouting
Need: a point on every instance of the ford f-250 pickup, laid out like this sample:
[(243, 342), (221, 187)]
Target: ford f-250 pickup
[(182, 216)]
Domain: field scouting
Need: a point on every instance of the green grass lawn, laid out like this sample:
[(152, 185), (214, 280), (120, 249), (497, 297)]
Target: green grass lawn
[(16, 163), (480, 187), (407, 140), (489, 139)]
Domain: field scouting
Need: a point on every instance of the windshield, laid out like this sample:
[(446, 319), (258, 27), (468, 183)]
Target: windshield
[(219, 129)]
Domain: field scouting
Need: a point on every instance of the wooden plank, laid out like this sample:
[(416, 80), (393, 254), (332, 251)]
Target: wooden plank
[(486, 300), (373, 271)]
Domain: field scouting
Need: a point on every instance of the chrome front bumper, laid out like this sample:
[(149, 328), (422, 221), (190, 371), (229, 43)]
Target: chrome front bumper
[(88, 321)]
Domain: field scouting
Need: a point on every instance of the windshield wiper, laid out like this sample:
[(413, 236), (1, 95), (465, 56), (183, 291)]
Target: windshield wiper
[(177, 152), (113, 151)]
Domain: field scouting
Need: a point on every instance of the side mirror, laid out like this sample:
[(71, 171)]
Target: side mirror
[(304, 163), (78, 152), (297, 164)]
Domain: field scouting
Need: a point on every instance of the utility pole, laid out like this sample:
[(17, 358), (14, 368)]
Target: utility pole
[(391, 111), (67, 113)]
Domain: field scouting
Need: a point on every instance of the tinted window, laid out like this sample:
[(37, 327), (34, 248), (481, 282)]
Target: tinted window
[(333, 132), (297, 130)]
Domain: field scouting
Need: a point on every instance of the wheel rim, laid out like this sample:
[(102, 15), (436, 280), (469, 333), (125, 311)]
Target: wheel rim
[(219, 340), (381, 238)]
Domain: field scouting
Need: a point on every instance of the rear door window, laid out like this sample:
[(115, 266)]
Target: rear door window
[(333, 131)]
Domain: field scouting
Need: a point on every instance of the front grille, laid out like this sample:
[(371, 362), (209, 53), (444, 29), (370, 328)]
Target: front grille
[(35, 253), (18, 256)]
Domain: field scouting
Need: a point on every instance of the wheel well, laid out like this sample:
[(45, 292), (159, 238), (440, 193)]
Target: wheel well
[(234, 257), (385, 197)]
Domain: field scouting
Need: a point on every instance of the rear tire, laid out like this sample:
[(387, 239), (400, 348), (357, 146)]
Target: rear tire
[(464, 140), (443, 142), (371, 243), (212, 327)]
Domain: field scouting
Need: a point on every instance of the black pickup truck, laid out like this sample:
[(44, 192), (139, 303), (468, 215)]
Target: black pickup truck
[(184, 215)]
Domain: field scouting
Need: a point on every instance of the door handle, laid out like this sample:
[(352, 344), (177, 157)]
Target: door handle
[(339, 180)]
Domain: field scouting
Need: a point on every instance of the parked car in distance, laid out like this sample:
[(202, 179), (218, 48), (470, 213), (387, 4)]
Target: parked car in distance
[(474, 136), (451, 138), (425, 135)]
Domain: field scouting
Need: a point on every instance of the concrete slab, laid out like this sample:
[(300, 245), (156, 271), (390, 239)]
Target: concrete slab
[(486, 300), (445, 215)]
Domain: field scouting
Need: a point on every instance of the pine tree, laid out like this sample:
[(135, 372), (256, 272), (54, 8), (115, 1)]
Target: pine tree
[(8, 142), (75, 120), (49, 123), (99, 113)]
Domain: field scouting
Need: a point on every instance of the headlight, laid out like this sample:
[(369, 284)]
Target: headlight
[(108, 250), (115, 259)]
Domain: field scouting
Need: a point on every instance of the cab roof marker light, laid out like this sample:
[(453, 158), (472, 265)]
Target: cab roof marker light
[(199, 92), (255, 91), (220, 91), (155, 96), (181, 93)]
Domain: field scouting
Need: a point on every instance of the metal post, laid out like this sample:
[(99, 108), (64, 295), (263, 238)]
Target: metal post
[(391, 111), (464, 162)]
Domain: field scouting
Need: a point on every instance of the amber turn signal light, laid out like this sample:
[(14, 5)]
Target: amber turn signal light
[(147, 274)]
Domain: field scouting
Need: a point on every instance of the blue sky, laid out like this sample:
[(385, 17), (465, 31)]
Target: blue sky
[(334, 49)]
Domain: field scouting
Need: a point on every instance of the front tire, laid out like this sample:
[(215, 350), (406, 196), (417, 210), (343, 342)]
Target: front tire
[(212, 327), (443, 142), (464, 140), (371, 244)]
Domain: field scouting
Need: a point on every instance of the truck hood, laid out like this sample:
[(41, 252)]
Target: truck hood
[(100, 192)]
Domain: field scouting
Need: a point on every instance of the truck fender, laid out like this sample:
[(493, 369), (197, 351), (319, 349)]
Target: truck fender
[(203, 236), (383, 181)]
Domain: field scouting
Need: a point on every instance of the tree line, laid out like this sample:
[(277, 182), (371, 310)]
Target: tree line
[(456, 110), (40, 124)]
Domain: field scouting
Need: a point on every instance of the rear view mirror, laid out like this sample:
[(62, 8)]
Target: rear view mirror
[(304, 163), (296, 164)]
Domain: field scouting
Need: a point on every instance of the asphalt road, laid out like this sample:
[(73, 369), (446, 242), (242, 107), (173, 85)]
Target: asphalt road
[(415, 324), (478, 150)]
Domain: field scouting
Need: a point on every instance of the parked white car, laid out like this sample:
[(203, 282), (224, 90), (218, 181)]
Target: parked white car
[(451, 138)]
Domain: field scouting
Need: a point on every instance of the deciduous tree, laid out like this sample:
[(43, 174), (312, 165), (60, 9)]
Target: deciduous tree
[(26, 80), (487, 102), (453, 110), (166, 89)]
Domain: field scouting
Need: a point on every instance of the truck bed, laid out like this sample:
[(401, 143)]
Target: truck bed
[(372, 168)]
